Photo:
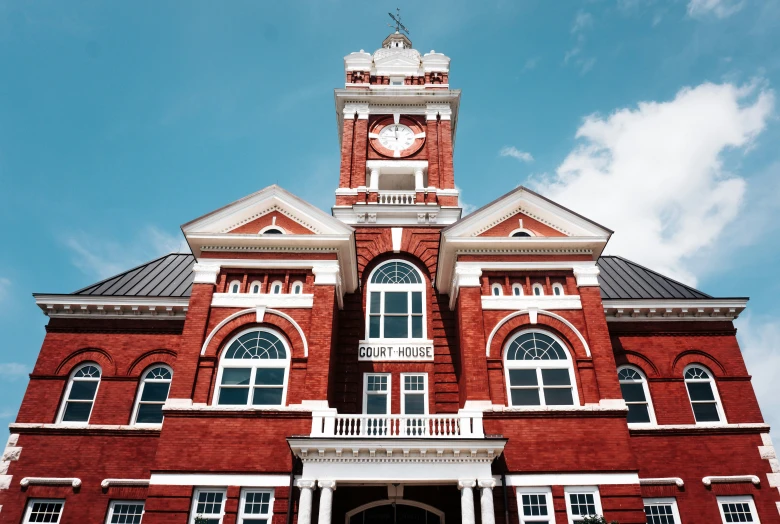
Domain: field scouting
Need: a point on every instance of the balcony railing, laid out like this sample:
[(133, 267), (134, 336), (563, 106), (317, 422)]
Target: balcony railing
[(397, 197), (460, 425)]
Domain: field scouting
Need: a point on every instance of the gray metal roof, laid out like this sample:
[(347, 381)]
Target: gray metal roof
[(168, 276), (623, 279), (171, 276)]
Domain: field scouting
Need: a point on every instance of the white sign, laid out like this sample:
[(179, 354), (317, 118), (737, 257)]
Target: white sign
[(395, 351)]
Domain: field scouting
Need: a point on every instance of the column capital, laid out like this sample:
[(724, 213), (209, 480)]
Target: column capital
[(306, 483), (205, 273), (467, 483), (467, 276), (326, 275), (487, 483), (327, 484), (587, 276)]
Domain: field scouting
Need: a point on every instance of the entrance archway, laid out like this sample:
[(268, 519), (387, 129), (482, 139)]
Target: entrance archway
[(398, 512)]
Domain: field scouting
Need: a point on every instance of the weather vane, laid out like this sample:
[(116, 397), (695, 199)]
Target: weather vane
[(397, 19)]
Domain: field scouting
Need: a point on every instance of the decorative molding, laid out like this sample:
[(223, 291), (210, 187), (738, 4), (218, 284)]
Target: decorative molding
[(83, 429), (539, 312), (107, 483), (11, 453), (548, 302), (767, 452), (396, 234), (587, 276), (622, 310), (96, 306), (218, 479), (267, 300), (663, 481), (725, 479), (572, 479), (250, 311), (467, 484), (524, 211), (205, 273), (306, 484), (50, 481)]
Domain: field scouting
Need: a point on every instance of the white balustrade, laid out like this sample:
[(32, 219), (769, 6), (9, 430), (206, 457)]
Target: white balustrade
[(397, 197), (458, 425)]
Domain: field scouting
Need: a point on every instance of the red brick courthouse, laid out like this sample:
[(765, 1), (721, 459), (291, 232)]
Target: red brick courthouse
[(390, 363)]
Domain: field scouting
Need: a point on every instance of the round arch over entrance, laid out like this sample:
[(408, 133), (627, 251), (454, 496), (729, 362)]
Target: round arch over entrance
[(394, 512)]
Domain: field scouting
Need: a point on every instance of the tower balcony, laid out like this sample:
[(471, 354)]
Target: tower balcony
[(396, 197)]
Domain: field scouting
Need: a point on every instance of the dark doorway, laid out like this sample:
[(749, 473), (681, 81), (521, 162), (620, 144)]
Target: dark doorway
[(401, 512)]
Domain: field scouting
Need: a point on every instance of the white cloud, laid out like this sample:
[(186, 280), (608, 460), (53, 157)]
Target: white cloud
[(467, 208), (512, 151), (582, 23), (5, 285), (718, 8), (656, 173), (12, 370), (104, 258), (760, 343)]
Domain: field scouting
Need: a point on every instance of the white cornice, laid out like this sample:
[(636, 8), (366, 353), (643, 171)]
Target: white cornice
[(162, 308), (621, 310), (248, 300), (549, 302), (396, 215)]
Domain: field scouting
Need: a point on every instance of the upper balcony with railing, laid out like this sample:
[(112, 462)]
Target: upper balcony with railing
[(464, 424)]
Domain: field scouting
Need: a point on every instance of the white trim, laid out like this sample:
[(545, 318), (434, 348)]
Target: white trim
[(521, 230), (140, 390), (234, 284), (667, 501), (515, 302), (194, 506), (541, 490), (571, 490), (622, 310), (558, 285), (31, 502), (253, 310), (113, 503), (493, 288), (743, 499), (699, 427), (725, 479), (80, 306), (252, 285), (539, 312), (518, 286), (81, 426), (715, 394), (272, 226), (410, 289), (65, 399), (402, 385), (387, 502), (276, 284), (205, 274), (107, 483), (396, 233), (537, 287), (260, 516), (388, 392), (662, 481), (571, 479), (298, 283), (645, 389), (50, 481)]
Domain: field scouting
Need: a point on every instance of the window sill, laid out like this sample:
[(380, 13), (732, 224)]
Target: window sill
[(662, 429), (26, 427)]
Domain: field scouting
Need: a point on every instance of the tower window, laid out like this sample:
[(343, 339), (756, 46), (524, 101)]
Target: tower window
[(517, 290), (255, 287), (538, 371), (276, 287), (395, 298), (496, 290), (557, 289), (538, 290), (297, 287), (234, 287)]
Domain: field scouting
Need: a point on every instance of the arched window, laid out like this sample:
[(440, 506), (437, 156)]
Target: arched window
[(633, 385), (234, 287), (539, 371), (272, 230), (538, 290), (80, 394), (255, 287), (703, 395), (519, 233), (496, 290), (297, 287), (255, 361), (557, 289), (276, 287), (517, 290), (396, 305), (152, 395)]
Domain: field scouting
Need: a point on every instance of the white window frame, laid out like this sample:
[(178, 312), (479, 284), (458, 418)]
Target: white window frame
[(738, 499), (297, 283), (31, 502), (592, 490), (522, 230), (538, 365), (273, 285), (517, 286), (409, 288), (259, 284), (232, 284), (242, 505), (558, 285), (113, 504), (64, 403), (542, 490), (366, 393), (539, 287), (715, 394), (666, 502), (272, 226), (416, 392), (139, 394), (646, 389), (252, 363), (194, 506), (496, 287)]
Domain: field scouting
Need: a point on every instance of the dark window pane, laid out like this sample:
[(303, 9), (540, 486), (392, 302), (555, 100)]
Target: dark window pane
[(700, 391), (522, 377), (525, 397), (77, 412), (414, 404), (373, 327), (83, 390), (236, 377), (633, 392), (376, 404), (396, 327), (269, 377), (149, 414), (706, 412), (267, 397), (558, 396), (417, 327), (638, 413), (155, 392), (556, 377), (416, 302), (233, 396), (375, 301), (396, 302)]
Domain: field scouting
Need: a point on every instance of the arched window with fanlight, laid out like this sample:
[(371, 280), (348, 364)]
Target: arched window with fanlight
[(703, 394), (253, 370), (396, 302), (80, 395), (155, 385), (633, 386), (539, 371)]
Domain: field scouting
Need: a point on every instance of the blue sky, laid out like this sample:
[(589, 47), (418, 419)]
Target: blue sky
[(120, 121)]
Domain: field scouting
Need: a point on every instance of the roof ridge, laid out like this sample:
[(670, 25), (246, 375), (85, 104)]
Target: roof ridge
[(120, 275), (656, 273)]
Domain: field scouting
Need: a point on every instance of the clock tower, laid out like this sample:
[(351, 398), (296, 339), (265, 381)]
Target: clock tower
[(397, 118)]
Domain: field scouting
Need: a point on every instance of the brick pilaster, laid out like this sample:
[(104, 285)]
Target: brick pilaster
[(193, 335), (359, 152), (473, 377), (347, 139), (431, 144), (600, 343), (446, 169), (320, 343)]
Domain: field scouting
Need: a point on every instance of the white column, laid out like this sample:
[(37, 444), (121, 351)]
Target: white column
[(326, 500), (373, 180), (418, 179), (304, 505), (486, 500), (466, 488)]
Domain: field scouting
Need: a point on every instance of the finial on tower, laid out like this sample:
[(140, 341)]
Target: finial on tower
[(397, 40), (397, 19)]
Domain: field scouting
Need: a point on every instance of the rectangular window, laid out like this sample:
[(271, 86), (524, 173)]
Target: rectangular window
[(662, 511), (256, 506), (125, 512), (395, 314), (738, 509), (267, 387), (376, 401), (535, 506), (555, 390), (582, 502), (43, 511), (414, 401), (208, 505), (705, 407)]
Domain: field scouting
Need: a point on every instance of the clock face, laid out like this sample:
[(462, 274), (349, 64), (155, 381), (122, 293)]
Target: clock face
[(396, 137)]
